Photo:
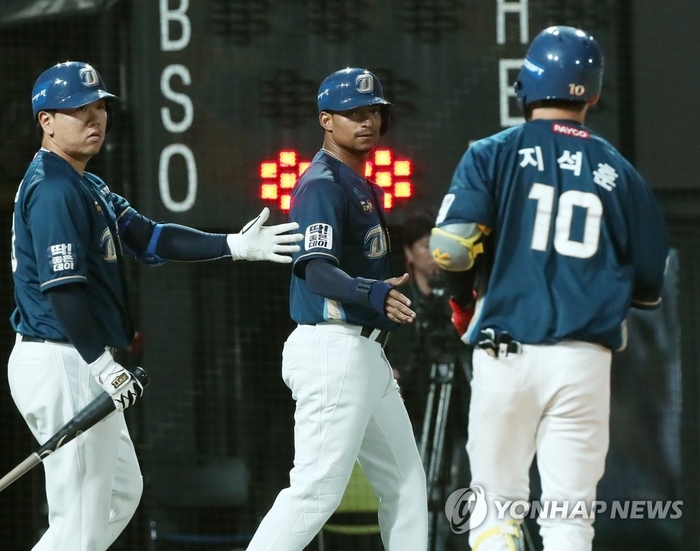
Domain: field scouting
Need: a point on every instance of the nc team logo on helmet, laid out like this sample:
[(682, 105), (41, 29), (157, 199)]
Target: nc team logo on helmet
[(466, 509), (364, 83), (88, 76)]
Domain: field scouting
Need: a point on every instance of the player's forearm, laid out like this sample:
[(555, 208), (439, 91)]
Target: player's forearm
[(70, 307), (460, 287), (187, 244), (173, 241), (326, 279)]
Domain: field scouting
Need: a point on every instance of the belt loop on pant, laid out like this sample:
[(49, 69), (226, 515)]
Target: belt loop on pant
[(379, 335)]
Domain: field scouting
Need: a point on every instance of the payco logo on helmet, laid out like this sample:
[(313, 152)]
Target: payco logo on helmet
[(466, 509)]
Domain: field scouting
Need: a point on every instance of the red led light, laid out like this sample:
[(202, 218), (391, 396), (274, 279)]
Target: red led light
[(403, 190), (287, 180), (383, 178), (288, 158), (268, 170), (382, 157), (402, 168), (268, 191), (392, 174)]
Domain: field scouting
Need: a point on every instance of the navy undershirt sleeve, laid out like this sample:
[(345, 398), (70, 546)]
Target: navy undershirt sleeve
[(174, 241), (460, 286), (326, 279), (70, 307)]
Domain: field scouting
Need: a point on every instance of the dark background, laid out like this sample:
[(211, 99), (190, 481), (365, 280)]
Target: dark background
[(214, 431)]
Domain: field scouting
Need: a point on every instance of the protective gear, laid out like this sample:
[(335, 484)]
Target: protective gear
[(455, 246), (258, 242), (562, 63), (351, 88), (116, 381), (69, 85), (511, 532)]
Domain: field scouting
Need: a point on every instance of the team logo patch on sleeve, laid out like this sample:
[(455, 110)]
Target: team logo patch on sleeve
[(318, 236), (61, 257)]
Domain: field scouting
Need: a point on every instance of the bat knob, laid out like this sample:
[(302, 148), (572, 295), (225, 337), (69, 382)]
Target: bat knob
[(141, 375)]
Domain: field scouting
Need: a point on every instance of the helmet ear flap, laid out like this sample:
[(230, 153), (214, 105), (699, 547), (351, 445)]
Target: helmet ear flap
[(108, 109), (385, 111)]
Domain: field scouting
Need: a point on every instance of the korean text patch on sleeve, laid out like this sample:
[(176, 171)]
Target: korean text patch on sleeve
[(318, 236)]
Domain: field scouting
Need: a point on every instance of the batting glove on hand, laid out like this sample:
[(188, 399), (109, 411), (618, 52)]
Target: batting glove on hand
[(258, 242), (461, 317), (116, 381)]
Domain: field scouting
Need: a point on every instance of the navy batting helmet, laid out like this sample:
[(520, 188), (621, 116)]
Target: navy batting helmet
[(351, 88), (68, 85), (562, 63)]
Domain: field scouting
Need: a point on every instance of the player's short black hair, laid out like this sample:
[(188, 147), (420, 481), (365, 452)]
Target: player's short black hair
[(417, 226)]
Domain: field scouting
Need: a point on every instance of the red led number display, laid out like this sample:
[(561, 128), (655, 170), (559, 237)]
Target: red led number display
[(278, 176)]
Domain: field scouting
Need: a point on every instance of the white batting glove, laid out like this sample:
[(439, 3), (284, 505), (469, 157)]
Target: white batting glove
[(258, 242), (116, 381)]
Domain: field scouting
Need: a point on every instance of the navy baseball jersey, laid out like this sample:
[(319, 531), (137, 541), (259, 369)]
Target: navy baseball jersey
[(577, 235), (73, 239), (341, 216)]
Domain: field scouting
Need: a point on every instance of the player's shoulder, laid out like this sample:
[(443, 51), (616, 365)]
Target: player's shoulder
[(490, 146), (500, 138), (609, 149), (606, 153), (320, 176), (51, 174)]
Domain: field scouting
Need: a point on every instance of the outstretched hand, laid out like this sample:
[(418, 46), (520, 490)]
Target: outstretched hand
[(258, 242), (397, 305)]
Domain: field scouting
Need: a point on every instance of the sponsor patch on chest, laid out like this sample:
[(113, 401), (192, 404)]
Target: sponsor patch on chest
[(318, 236)]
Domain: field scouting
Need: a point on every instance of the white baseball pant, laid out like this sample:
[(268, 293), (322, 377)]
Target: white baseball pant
[(94, 483), (549, 400), (348, 407)]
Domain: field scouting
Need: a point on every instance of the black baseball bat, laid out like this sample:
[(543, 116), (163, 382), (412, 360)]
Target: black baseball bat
[(91, 414)]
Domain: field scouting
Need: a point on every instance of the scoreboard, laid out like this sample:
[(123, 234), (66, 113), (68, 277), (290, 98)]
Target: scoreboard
[(224, 90)]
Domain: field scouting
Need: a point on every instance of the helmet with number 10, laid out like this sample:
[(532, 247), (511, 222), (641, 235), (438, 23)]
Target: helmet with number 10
[(562, 63)]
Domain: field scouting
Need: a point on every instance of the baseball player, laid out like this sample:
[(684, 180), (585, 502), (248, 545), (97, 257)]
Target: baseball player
[(70, 236), (345, 302), (559, 236)]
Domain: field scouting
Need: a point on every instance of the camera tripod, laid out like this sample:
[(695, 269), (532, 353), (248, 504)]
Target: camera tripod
[(434, 438)]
